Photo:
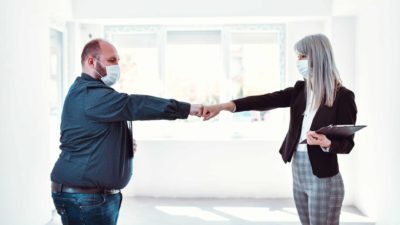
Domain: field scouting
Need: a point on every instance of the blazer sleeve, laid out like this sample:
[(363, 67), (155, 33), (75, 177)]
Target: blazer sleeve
[(346, 114), (264, 102)]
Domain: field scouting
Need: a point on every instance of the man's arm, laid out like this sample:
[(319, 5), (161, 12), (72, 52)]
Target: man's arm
[(107, 105)]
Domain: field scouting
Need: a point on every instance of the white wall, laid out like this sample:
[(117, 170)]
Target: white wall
[(341, 30), (209, 169), (218, 169), (24, 113), (377, 77)]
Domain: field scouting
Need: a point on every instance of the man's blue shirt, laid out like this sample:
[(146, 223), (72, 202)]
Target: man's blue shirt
[(96, 143)]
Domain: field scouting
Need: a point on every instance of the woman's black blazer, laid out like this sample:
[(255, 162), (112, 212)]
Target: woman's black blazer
[(343, 111)]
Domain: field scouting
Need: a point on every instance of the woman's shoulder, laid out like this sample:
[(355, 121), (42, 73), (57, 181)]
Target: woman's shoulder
[(345, 95), (300, 84), (343, 91)]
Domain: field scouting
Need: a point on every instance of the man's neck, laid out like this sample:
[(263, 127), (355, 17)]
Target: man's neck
[(90, 73)]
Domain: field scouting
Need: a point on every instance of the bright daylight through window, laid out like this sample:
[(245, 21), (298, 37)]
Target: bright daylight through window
[(204, 65)]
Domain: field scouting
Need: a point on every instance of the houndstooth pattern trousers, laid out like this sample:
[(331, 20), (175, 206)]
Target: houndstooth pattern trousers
[(318, 200)]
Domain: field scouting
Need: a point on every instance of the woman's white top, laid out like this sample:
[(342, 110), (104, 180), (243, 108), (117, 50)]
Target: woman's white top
[(307, 120)]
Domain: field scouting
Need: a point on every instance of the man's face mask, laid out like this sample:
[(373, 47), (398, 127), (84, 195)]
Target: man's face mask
[(112, 74)]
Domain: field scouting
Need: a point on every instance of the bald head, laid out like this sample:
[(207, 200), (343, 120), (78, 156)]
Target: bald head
[(93, 49), (96, 55)]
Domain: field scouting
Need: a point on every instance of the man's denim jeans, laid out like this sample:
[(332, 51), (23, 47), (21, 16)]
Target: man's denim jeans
[(88, 209)]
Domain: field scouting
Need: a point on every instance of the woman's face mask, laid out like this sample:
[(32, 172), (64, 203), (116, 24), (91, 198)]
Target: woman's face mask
[(302, 66), (112, 74)]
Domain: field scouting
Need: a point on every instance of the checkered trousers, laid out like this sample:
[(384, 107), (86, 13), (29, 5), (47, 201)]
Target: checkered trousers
[(318, 200)]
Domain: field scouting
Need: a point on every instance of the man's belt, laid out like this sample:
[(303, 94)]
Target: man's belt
[(57, 188)]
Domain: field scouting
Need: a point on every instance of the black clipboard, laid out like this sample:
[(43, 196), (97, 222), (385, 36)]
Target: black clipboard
[(337, 131)]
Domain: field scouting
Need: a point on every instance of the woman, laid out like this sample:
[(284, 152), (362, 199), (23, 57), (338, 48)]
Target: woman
[(319, 100)]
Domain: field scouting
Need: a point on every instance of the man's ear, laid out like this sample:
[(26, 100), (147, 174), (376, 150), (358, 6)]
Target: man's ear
[(90, 61)]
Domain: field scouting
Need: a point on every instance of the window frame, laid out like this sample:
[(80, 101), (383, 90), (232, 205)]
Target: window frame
[(226, 32)]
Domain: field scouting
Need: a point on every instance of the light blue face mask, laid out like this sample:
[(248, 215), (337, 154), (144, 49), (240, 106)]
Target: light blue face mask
[(112, 74), (302, 66)]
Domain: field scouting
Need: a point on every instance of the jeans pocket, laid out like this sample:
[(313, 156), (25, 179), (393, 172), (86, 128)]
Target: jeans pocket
[(91, 200)]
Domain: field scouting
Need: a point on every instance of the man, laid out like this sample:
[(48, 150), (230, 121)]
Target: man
[(97, 147)]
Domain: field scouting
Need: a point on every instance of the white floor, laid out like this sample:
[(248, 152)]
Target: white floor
[(165, 211)]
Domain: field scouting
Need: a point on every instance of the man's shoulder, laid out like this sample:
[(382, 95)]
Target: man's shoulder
[(92, 85), (88, 88)]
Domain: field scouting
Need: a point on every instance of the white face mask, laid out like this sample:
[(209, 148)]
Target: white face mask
[(112, 76), (302, 66)]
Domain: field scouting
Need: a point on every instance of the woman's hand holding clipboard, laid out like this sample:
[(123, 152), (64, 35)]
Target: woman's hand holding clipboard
[(337, 131)]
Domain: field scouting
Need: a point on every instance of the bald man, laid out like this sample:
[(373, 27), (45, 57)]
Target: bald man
[(97, 147)]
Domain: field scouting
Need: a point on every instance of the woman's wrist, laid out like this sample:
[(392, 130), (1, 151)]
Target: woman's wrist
[(229, 106)]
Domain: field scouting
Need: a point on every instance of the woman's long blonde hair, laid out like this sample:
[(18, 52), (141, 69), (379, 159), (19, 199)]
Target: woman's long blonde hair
[(324, 79)]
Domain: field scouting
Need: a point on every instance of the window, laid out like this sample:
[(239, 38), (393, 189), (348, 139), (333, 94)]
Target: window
[(139, 63), (55, 91), (254, 68), (203, 65), (194, 66), (56, 71)]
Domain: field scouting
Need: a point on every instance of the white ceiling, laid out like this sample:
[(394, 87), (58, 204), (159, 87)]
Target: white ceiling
[(125, 9)]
